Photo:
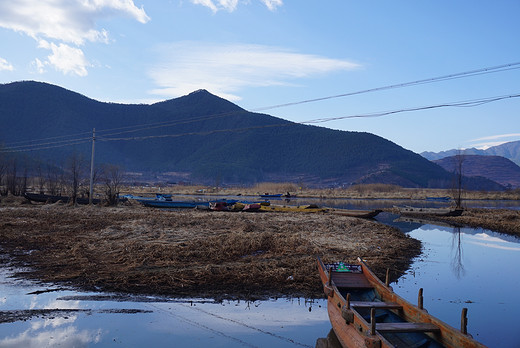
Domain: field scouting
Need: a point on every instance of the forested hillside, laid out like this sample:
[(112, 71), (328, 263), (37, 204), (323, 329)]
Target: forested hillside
[(204, 137)]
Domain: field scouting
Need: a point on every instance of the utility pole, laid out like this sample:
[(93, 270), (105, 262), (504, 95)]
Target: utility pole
[(91, 193)]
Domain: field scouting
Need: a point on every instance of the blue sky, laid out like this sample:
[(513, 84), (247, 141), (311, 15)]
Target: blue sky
[(261, 53)]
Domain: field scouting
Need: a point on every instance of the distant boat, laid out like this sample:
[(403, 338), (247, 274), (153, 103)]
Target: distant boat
[(413, 211), (267, 195), (311, 208), (37, 197), (365, 214), (439, 199), (365, 312), (172, 204)]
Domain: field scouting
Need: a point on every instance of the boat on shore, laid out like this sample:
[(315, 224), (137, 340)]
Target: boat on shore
[(42, 198), (309, 208), (171, 204), (439, 199), (267, 195), (365, 312), (414, 211), (364, 214)]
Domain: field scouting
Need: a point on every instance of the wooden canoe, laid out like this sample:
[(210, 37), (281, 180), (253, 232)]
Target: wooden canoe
[(366, 214), (364, 312), (311, 208)]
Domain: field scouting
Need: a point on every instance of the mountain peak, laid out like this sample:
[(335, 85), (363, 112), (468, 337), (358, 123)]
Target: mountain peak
[(200, 91)]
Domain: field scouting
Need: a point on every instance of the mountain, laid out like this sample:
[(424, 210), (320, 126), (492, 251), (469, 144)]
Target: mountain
[(496, 168), (509, 150), (205, 138)]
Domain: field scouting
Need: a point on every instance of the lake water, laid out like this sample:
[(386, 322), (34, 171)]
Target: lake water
[(459, 267), (472, 268)]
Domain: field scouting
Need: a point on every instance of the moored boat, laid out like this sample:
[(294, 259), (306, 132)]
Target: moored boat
[(267, 195), (311, 208), (365, 214), (365, 312), (172, 204), (414, 211), (439, 199), (42, 198)]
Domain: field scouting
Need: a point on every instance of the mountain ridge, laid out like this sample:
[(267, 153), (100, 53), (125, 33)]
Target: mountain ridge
[(509, 150), (209, 138), (496, 168)]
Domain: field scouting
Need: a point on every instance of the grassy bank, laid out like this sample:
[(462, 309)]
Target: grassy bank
[(368, 191), (193, 253)]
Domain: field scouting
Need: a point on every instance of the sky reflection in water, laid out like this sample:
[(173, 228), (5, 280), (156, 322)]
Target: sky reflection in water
[(276, 323), (459, 267), (472, 268)]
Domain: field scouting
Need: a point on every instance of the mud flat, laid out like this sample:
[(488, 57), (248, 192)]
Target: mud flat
[(192, 253)]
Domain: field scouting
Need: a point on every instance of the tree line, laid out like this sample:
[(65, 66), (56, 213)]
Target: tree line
[(71, 178)]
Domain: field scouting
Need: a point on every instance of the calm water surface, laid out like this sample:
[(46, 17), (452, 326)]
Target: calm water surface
[(156, 322), (473, 268), (459, 267)]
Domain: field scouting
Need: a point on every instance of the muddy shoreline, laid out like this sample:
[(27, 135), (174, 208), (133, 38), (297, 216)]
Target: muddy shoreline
[(190, 253)]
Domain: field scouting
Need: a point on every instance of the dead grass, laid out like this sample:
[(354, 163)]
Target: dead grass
[(193, 253), (364, 191), (499, 220)]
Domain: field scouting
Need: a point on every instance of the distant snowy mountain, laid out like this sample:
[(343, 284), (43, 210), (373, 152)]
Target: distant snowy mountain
[(509, 150)]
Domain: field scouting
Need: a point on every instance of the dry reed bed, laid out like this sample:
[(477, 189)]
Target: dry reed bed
[(193, 253), (499, 220), (361, 191)]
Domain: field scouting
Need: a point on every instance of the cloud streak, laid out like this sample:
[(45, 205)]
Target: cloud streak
[(231, 5), (68, 24), (225, 69), (5, 65), (494, 140)]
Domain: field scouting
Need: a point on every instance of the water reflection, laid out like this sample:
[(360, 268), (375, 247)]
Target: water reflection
[(457, 259), (71, 319), (473, 268)]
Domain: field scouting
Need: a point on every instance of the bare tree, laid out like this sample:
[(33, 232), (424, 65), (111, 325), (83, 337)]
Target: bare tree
[(53, 179), (12, 178), (112, 177), (3, 169), (41, 179), (458, 171), (75, 172)]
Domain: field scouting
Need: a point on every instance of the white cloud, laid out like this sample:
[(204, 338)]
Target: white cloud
[(5, 65), (67, 22), (231, 5), (272, 4), (71, 21), (225, 69), (64, 58)]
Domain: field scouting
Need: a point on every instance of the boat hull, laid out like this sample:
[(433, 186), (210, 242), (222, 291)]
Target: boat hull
[(41, 198), (372, 315)]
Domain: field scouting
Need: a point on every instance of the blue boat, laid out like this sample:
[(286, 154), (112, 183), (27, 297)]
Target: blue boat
[(172, 204), (439, 199), (278, 195)]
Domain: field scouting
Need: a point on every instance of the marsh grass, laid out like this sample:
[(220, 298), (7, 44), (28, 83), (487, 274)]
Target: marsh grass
[(193, 253)]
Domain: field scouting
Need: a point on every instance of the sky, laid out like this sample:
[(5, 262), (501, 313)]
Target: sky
[(264, 54)]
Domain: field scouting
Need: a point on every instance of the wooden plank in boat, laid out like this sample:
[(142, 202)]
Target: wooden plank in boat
[(375, 304), (351, 280), (406, 327)]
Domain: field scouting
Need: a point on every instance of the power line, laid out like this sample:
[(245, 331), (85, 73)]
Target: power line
[(466, 103), (482, 71), (141, 127)]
